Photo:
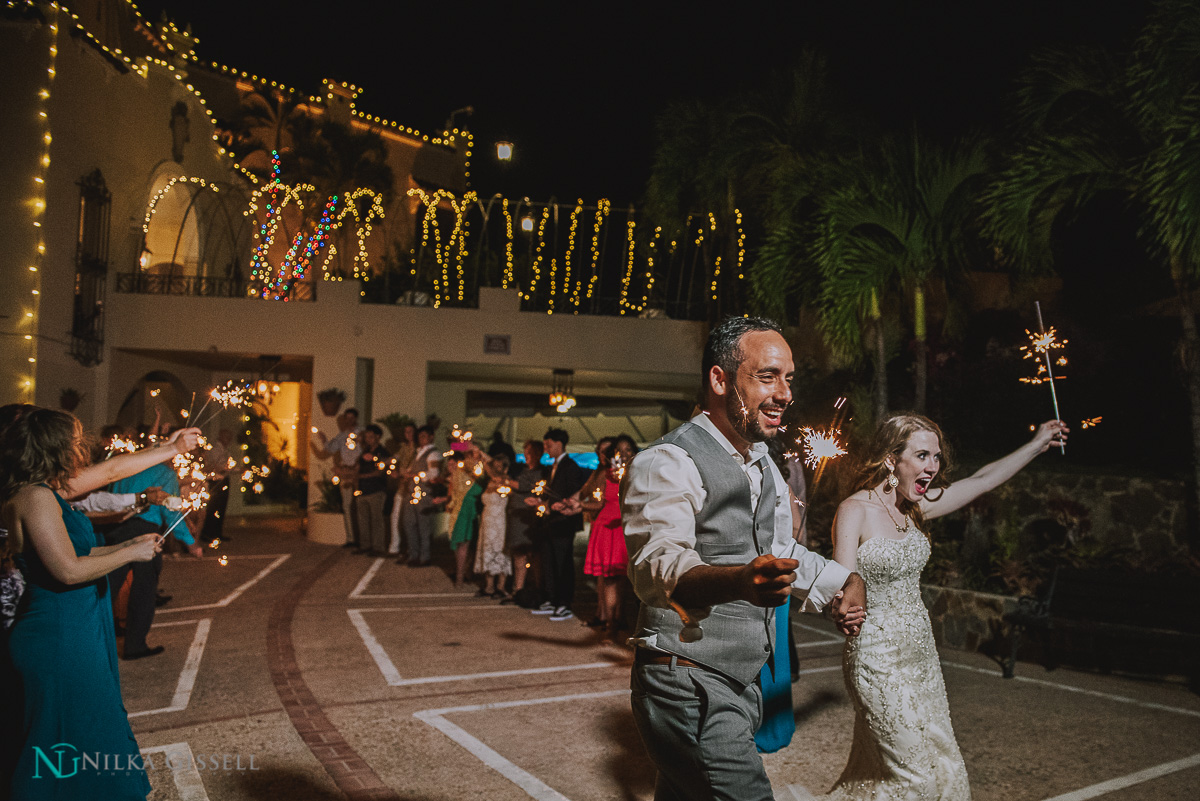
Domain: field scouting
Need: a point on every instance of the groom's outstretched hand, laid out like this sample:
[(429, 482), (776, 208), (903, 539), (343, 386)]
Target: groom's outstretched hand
[(849, 607), (768, 580)]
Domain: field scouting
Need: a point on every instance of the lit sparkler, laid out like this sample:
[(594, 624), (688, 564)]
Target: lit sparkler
[(119, 445), (503, 491), (598, 493), (618, 467), (1039, 348), (1091, 422), (820, 445), (223, 560)]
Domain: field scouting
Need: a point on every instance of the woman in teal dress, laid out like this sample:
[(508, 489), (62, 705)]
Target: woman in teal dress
[(63, 712)]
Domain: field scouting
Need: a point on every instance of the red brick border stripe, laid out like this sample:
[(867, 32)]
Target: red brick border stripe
[(348, 770)]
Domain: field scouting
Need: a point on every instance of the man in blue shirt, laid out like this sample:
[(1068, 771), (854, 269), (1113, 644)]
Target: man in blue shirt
[(144, 588)]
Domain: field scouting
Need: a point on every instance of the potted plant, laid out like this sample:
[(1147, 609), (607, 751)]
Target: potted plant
[(331, 400), (395, 423), (69, 399)]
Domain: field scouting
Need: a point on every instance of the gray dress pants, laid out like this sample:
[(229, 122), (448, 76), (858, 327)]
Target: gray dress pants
[(698, 728)]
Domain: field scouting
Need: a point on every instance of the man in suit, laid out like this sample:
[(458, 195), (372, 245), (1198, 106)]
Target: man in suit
[(558, 534), (709, 529)]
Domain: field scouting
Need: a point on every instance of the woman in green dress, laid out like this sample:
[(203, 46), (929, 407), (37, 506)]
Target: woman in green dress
[(466, 487), (63, 707)]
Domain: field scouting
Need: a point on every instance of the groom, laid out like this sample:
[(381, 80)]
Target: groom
[(708, 525)]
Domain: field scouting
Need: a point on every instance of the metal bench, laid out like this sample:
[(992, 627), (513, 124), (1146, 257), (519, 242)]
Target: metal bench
[(1113, 620)]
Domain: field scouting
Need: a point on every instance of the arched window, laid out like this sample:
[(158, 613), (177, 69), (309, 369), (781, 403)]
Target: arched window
[(172, 246)]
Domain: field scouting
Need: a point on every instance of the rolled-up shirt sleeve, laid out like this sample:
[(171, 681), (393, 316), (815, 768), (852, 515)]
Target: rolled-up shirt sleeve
[(100, 502), (662, 495), (817, 579)]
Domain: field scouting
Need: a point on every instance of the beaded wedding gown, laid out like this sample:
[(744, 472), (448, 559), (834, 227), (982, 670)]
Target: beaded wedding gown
[(904, 747)]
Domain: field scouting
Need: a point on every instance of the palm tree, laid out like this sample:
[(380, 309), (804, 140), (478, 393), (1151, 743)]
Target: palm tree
[(1090, 126), (901, 219), (760, 155), (261, 123)]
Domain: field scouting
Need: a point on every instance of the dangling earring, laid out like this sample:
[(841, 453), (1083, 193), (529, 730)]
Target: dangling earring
[(892, 481)]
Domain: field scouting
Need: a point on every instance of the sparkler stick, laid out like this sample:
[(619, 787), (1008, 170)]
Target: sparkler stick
[(179, 520), (1062, 446)]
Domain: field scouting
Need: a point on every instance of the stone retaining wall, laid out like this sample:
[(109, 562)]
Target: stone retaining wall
[(965, 620)]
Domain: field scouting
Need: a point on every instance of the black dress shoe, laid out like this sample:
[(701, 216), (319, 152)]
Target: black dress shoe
[(155, 651), (349, 545), (162, 599)]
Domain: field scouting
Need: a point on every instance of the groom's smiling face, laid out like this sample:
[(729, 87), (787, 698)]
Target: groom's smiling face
[(761, 389)]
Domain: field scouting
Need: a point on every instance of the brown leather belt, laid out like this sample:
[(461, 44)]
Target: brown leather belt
[(644, 656)]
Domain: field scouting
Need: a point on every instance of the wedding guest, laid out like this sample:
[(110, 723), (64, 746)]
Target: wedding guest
[(607, 558), (143, 589), (558, 542), (521, 518), (218, 462), (419, 499), (61, 644), (491, 561), (371, 491), (342, 448), (402, 459), (462, 509)]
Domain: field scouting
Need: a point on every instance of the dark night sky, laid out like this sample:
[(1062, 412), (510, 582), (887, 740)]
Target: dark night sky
[(577, 85)]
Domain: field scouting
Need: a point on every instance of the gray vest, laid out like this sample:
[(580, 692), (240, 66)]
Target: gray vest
[(737, 637)]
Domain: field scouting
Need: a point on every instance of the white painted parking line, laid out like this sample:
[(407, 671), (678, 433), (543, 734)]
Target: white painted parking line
[(1120, 783), (191, 667), (1094, 693), (178, 757), (532, 785), (361, 586), (360, 589), (392, 675), (233, 596)]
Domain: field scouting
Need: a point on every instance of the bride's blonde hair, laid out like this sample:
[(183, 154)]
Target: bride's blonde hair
[(891, 438)]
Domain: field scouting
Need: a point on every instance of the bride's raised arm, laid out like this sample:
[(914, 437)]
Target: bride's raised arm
[(992, 475)]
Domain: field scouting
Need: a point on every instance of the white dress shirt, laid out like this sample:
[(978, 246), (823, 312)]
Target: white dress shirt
[(103, 502), (664, 494)]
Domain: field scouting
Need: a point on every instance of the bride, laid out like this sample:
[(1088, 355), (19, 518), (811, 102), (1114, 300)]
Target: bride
[(904, 746)]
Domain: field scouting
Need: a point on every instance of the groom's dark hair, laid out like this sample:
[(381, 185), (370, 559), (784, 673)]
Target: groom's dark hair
[(723, 348)]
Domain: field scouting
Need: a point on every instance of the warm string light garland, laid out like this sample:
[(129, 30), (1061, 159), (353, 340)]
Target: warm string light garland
[(37, 205)]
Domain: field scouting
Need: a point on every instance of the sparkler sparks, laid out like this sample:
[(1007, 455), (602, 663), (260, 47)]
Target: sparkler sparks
[(503, 492), (1039, 348), (618, 467), (1091, 422), (223, 560), (598, 494), (820, 445)]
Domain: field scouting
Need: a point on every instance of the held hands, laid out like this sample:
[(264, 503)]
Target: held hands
[(184, 440), (144, 548), (849, 607), (1050, 433), (157, 496), (767, 581)]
